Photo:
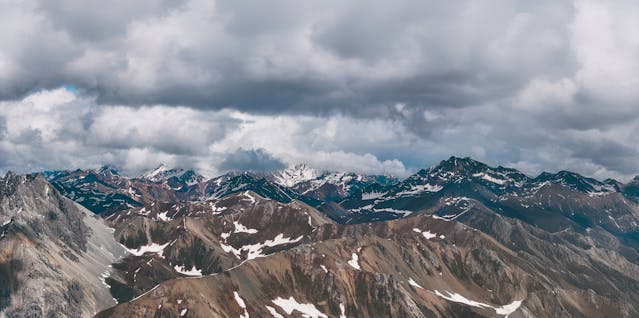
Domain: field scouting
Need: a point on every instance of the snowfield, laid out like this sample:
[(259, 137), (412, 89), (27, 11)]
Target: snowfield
[(504, 310), (289, 305), (150, 248)]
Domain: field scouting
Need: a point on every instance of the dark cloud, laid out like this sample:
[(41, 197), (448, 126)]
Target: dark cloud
[(607, 153), (314, 58), (81, 20), (3, 127), (251, 160), (381, 86)]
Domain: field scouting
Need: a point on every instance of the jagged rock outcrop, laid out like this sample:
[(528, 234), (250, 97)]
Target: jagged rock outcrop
[(53, 253)]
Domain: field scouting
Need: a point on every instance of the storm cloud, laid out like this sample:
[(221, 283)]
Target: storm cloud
[(251, 160), (375, 86)]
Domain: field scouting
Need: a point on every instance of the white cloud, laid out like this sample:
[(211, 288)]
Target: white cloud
[(542, 95), (73, 134), (386, 87), (176, 130), (606, 49)]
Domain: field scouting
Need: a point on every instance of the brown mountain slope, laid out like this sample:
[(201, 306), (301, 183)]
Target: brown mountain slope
[(415, 267), (191, 239)]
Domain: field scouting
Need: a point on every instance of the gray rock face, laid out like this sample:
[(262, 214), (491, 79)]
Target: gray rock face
[(52, 252)]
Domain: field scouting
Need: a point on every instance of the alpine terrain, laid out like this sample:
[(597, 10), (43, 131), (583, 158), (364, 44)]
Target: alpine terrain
[(459, 239)]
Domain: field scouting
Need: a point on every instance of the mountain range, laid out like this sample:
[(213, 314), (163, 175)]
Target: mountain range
[(459, 239)]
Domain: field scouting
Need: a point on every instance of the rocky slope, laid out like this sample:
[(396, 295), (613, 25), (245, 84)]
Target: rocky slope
[(166, 241), (53, 253), (415, 267), (472, 240)]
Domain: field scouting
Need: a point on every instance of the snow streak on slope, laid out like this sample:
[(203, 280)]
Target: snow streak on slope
[(290, 305), (504, 310), (256, 250), (150, 248)]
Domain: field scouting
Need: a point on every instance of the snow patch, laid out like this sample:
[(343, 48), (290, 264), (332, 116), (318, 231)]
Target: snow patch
[(255, 250), (164, 216), (273, 312), (151, 248), (251, 198), (103, 278), (404, 212), (427, 234), (414, 283), (216, 209), (191, 272), (239, 228), (242, 304), (354, 262), (307, 310), (419, 188), (504, 310), (490, 178), (460, 202), (372, 195)]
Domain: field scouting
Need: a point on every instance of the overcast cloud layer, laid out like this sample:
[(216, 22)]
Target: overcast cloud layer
[(375, 87)]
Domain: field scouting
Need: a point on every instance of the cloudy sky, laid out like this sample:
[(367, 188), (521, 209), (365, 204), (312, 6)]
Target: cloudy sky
[(367, 86)]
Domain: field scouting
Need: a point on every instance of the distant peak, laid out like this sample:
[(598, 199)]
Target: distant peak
[(159, 173), (161, 167), (106, 170), (568, 173), (579, 182), (461, 161), (561, 175), (302, 167), (156, 171), (460, 164), (295, 174), (175, 176), (611, 181)]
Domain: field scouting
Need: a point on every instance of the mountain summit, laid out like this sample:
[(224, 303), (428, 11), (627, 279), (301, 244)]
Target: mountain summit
[(296, 174)]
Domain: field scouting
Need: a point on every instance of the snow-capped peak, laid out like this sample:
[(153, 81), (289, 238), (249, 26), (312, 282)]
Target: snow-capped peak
[(154, 174), (107, 171), (163, 173), (294, 175), (577, 182)]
